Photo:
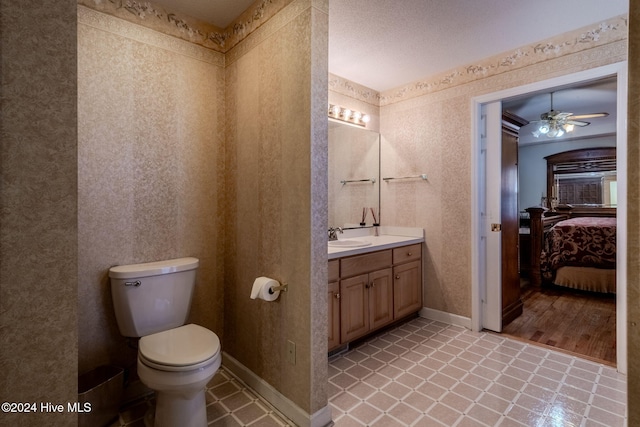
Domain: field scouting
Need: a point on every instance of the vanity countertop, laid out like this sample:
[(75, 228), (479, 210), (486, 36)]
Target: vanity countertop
[(389, 237)]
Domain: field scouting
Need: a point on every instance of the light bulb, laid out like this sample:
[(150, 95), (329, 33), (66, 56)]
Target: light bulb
[(366, 118), (346, 113), (544, 128), (552, 132), (569, 127)]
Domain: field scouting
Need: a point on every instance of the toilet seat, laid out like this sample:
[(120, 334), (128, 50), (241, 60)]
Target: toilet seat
[(184, 348)]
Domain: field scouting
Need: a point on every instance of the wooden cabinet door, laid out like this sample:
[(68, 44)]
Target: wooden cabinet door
[(380, 298), (333, 312), (354, 307), (407, 289)]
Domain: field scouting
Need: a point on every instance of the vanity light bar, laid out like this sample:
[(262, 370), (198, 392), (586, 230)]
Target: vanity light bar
[(348, 115)]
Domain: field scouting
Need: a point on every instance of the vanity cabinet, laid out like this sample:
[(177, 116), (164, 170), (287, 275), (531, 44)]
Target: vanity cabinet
[(372, 290), (366, 304), (333, 300), (407, 276)]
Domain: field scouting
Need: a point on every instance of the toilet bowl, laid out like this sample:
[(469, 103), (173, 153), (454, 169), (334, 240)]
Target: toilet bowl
[(151, 301), (178, 364)]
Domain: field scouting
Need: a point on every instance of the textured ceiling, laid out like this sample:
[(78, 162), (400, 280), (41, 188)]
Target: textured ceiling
[(383, 44)]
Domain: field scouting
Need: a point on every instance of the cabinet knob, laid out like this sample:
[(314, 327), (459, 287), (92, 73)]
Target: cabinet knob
[(373, 284), (397, 276), (366, 286), (409, 253), (337, 296)]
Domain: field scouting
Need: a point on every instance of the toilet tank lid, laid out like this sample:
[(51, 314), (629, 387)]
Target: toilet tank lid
[(155, 268)]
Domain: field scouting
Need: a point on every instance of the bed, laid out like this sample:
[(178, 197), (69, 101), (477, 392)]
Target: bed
[(580, 253), (572, 250)]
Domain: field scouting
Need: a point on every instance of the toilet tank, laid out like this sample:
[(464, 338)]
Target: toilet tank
[(154, 296)]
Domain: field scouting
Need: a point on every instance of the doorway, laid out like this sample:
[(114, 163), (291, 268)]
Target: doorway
[(486, 280)]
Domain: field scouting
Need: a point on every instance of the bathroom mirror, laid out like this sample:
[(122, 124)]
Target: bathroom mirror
[(354, 175)]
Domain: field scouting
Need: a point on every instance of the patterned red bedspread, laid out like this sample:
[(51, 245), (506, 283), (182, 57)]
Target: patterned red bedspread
[(582, 242)]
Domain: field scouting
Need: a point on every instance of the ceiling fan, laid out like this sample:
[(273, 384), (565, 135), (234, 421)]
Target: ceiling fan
[(555, 123)]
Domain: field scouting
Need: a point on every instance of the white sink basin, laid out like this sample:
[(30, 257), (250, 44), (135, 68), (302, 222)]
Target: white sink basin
[(348, 243)]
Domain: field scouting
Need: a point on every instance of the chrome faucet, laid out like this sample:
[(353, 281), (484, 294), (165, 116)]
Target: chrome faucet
[(332, 233)]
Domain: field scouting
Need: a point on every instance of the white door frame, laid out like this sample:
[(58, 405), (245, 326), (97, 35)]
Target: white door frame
[(481, 290)]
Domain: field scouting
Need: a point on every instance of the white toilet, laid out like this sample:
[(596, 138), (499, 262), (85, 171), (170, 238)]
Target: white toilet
[(152, 301)]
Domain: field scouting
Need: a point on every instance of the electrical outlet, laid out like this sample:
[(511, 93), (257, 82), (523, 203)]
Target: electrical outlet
[(291, 351)]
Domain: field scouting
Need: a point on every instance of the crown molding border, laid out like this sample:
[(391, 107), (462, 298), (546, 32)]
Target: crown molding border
[(190, 29), (353, 90), (123, 28), (604, 33)]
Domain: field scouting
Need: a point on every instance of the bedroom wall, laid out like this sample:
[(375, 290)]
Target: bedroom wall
[(532, 167), (419, 136)]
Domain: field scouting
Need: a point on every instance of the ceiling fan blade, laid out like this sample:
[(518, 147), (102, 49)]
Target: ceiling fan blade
[(578, 123), (589, 116), (559, 115)]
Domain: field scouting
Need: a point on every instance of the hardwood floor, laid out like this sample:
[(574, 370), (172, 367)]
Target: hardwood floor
[(579, 322)]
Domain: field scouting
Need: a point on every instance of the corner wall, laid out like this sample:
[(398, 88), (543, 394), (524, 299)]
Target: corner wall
[(150, 170), (276, 201)]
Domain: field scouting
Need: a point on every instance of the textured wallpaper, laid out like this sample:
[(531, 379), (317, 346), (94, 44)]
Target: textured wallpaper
[(273, 227), (38, 200), (150, 170)]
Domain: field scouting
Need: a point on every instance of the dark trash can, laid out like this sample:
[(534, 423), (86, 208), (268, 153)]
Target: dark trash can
[(100, 391)]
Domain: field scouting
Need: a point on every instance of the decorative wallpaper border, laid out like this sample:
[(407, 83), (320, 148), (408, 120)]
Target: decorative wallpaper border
[(600, 34), (112, 24), (189, 28), (293, 9), (604, 33), (354, 90)]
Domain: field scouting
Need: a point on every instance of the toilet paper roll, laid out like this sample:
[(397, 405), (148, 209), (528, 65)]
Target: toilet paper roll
[(262, 289)]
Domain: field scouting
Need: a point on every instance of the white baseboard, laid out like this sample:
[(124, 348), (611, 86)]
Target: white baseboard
[(288, 408), (442, 316)]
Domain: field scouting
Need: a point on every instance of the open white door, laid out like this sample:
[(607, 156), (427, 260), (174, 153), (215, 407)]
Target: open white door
[(492, 304)]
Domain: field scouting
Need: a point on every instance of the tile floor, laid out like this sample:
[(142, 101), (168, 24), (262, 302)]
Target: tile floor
[(427, 373), (229, 404)]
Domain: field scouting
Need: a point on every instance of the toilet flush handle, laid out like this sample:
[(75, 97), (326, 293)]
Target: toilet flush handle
[(136, 283)]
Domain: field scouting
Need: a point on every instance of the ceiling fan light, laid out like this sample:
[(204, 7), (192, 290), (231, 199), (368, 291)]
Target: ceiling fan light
[(569, 127), (544, 128), (552, 133)]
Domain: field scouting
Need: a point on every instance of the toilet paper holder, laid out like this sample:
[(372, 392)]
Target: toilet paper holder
[(283, 288)]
